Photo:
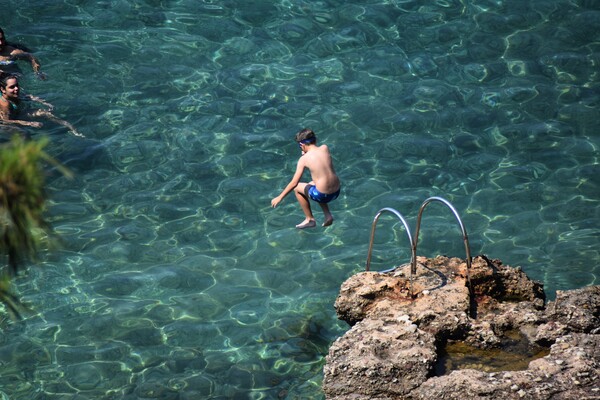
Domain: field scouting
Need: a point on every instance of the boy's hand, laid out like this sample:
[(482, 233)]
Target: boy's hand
[(275, 201)]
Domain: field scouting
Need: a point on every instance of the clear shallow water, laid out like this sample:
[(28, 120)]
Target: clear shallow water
[(176, 278)]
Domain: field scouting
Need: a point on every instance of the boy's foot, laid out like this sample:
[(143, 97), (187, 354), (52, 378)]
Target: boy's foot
[(328, 221), (307, 224)]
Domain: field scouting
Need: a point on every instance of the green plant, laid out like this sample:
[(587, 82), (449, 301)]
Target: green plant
[(22, 205)]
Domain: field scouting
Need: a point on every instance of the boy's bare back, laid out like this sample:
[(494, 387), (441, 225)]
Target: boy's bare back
[(320, 164)]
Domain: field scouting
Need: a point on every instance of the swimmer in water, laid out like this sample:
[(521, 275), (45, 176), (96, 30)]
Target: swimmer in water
[(9, 55), (325, 184), (12, 108)]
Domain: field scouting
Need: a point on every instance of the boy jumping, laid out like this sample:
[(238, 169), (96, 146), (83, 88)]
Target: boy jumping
[(325, 185)]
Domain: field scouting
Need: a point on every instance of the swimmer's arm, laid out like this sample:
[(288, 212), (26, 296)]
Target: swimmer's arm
[(5, 119), (33, 124), (39, 100), (35, 64), (293, 183)]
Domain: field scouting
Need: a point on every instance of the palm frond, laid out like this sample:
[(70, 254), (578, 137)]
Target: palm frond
[(22, 205)]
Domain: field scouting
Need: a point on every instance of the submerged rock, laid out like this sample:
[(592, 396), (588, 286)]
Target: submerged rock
[(449, 333)]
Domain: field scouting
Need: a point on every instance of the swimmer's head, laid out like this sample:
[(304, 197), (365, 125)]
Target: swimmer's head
[(306, 136), (5, 78)]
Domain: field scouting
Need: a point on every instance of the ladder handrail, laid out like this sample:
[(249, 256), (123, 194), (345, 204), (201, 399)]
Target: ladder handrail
[(413, 267), (373, 226), (414, 241)]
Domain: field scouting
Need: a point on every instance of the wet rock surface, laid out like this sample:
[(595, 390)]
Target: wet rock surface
[(518, 347)]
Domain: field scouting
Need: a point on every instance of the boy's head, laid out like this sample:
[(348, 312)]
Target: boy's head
[(306, 136)]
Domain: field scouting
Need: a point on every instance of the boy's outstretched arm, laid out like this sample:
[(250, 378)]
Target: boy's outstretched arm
[(293, 183)]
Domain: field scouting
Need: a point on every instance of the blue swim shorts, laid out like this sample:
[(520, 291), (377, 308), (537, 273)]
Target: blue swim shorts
[(312, 192)]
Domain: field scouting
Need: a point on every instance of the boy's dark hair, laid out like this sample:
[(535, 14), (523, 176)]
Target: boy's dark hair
[(306, 134)]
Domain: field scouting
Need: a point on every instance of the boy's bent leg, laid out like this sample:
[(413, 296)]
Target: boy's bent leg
[(328, 217), (309, 220)]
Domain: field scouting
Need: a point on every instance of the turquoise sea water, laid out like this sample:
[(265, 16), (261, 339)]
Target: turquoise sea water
[(176, 280)]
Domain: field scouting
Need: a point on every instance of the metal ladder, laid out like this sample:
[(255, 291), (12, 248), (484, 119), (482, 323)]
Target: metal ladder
[(413, 242)]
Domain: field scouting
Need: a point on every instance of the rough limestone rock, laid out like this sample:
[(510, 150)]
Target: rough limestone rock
[(402, 327)]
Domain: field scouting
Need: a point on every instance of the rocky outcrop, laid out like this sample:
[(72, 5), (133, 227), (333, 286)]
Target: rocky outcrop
[(447, 335)]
